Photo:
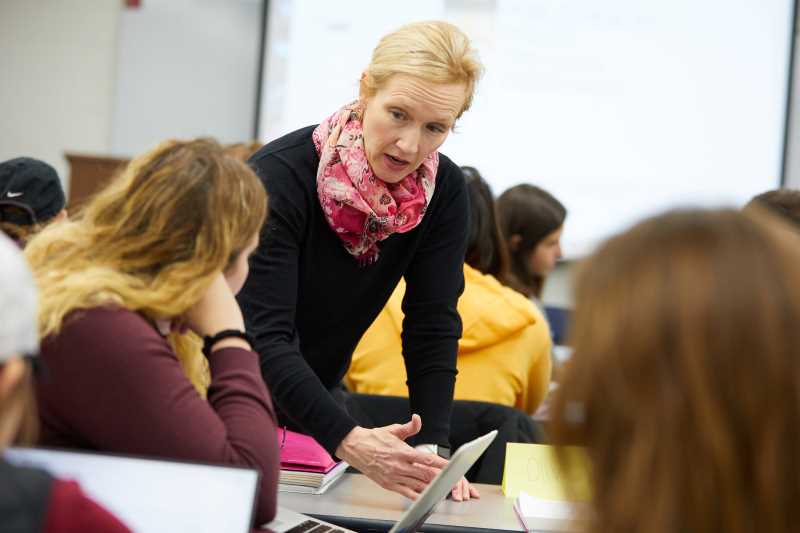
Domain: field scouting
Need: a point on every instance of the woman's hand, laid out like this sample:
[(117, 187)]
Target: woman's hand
[(463, 491), (383, 456), (217, 310)]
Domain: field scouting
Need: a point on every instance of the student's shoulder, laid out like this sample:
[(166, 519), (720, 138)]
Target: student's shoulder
[(104, 331), (108, 319), (106, 339)]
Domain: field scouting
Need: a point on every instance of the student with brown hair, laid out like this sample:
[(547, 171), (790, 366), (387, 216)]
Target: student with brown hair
[(31, 499), (531, 220), (685, 381), (152, 263)]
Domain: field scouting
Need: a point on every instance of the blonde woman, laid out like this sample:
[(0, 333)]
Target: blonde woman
[(685, 380), (358, 202), (156, 256)]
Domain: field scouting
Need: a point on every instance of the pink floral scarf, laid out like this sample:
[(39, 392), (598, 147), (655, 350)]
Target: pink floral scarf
[(360, 207)]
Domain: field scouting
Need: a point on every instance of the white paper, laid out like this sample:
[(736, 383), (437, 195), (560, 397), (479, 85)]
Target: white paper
[(531, 507)]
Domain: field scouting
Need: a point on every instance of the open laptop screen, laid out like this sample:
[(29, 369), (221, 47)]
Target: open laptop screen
[(155, 495), (441, 485)]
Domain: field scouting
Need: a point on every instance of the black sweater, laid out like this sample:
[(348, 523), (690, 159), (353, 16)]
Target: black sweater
[(307, 302)]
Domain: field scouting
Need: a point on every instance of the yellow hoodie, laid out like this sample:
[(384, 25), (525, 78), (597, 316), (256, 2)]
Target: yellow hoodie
[(503, 355)]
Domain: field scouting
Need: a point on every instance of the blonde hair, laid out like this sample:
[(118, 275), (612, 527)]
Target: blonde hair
[(684, 381), (435, 51), (152, 240)]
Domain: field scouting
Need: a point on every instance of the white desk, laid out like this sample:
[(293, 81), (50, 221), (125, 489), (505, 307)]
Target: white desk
[(357, 503)]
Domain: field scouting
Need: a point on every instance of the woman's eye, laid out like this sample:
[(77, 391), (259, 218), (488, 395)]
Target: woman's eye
[(397, 115), (435, 128)]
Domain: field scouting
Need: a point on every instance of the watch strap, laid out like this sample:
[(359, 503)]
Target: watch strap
[(210, 340)]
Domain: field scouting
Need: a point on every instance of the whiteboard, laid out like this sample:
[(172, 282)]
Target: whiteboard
[(620, 108)]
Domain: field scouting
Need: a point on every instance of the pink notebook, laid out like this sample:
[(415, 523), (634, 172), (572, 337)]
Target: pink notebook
[(302, 453)]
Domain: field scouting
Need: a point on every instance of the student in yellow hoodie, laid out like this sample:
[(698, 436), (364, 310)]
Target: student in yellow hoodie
[(504, 351)]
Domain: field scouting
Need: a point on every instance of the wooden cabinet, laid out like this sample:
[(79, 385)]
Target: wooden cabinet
[(88, 174)]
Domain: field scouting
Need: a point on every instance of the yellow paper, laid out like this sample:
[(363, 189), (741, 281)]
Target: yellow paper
[(533, 468)]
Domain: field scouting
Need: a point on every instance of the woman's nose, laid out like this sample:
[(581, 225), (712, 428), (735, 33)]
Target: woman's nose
[(408, 142)]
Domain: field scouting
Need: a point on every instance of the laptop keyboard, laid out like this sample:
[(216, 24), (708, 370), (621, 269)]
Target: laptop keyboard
[(312, 526)]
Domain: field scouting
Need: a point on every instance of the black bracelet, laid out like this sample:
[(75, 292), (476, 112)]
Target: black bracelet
[(211, 340)]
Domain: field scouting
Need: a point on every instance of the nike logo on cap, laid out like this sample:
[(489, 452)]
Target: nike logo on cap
[(10, 194)]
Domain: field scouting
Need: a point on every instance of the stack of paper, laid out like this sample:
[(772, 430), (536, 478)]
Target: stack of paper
[(538, 514), (305, 465), (547, 499)]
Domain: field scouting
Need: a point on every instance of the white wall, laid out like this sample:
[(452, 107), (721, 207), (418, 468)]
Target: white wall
[(620, 108), (185, 68), (57, 65), (557, 289)]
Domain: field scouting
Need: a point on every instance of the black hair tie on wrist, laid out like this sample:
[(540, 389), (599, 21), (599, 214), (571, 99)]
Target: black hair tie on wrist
[(211, 340)]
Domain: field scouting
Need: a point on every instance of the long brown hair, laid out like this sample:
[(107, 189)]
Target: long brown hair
[(526, 215), (486, 248), (685, 380)]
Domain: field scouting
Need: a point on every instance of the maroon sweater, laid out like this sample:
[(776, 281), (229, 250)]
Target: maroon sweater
[(114, 384)]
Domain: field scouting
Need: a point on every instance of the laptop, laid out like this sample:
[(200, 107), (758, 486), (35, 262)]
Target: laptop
[(437, 490), (151, 495)]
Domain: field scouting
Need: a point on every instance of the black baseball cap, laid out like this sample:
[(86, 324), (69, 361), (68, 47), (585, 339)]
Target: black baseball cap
[(30, 191)]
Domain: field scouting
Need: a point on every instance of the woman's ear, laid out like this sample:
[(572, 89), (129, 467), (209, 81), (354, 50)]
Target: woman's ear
[(11, 374), (514, 242)]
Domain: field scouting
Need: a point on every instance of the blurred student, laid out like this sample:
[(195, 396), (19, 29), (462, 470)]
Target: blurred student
[(30, 197), (685, 381), (162, 250), (31, 499), (504, 350), (782, 202), (531, 221)]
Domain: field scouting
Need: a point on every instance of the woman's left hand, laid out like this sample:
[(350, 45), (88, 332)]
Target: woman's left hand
[(463, 491)]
